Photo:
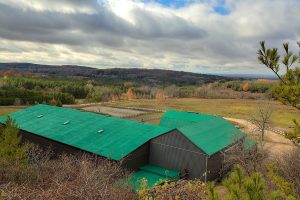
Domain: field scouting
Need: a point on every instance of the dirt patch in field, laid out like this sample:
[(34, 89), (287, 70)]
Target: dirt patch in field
[(116, 112)]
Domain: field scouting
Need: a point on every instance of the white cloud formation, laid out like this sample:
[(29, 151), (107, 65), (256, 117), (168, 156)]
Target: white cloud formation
[(63, 6), (133, 33)]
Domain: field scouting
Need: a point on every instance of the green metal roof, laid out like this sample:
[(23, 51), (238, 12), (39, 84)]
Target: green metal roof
[(210, 133), (110, 137), (153, 175)]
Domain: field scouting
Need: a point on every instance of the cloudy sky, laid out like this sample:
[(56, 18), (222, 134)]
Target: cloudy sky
[(204, 36)]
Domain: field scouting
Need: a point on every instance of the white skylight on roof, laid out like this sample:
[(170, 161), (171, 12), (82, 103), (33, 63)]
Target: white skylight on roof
[(66, 122)]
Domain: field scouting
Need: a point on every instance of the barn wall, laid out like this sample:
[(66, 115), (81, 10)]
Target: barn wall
[(46, 143), (216, 161), (137, 158), (133, 161), (214, 165), (175, 152)]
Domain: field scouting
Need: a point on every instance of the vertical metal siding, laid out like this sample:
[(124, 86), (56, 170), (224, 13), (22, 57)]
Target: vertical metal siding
[(45, 143), (174, 151), (133, 161), (216, 161), (137, 158), (214, 166)]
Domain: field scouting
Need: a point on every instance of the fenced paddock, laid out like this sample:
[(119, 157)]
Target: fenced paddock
[(116, 112)]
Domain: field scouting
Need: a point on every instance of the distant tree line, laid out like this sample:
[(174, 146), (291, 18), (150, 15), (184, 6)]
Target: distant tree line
[(250, 86), (21, 90), (18, 91)]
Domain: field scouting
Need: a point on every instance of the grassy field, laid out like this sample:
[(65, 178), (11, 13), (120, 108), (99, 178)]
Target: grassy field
[(5, 111), (236, 108)]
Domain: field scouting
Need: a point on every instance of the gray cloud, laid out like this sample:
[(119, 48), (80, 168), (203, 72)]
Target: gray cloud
[(101, 27), (127, 33)]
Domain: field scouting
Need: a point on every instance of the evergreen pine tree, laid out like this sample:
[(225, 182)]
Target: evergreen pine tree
[(10, 142)]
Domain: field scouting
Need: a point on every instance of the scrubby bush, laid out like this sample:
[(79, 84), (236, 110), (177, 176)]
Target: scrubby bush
[(28, 172), (289, 168), (295, 134), (182, 189), (69, 177), (257, 186)]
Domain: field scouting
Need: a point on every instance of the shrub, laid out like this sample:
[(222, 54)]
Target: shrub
[(257, 186), (68, 177), (246, 87), (295, 135), (290, 168), (10, 142), (182, 189)]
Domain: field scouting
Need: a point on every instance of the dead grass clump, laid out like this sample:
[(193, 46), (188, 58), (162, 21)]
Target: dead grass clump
[(181, 189), (290, 168), (67, 177)]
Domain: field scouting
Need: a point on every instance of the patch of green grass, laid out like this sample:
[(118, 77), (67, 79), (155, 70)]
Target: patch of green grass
[(236, 108)]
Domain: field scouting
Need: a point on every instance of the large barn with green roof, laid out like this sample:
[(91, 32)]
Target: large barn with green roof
[(184, 141)]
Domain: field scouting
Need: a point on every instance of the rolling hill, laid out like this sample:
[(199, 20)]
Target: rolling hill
[(116, 75)]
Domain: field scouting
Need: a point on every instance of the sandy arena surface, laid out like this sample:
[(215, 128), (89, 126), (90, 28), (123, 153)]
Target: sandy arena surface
[(116, 112)]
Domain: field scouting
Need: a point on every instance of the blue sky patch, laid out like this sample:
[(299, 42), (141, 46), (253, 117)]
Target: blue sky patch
[(171, 3), (221, 10)]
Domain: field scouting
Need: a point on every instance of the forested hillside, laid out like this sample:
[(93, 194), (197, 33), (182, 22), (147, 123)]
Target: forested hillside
[(56, 85), (116, 75)]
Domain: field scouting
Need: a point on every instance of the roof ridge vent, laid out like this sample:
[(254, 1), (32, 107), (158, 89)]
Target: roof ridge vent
[(66, 122), (39, 116)]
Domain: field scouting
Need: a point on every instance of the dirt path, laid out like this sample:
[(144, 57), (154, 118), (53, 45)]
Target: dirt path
[(275, 144)]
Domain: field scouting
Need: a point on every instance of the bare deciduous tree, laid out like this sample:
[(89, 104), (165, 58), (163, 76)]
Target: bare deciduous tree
[(250, 159), (262, 119)]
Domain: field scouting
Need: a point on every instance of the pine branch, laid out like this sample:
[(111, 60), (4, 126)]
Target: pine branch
[(270, 58)]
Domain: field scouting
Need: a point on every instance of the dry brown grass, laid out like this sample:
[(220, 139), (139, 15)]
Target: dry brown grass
[(5, 110), (235, 108), (261, 80), (181, 189), (290, 168), (66, 177)]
